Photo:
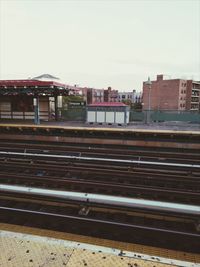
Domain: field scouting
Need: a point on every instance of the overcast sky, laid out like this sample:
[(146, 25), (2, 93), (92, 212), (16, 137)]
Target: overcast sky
[(100, 43)]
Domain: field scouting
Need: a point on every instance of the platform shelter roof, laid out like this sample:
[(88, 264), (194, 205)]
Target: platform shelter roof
[(32, 88)]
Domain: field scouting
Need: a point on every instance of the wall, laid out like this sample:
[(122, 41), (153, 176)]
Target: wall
[(21, 107), (165, 94)]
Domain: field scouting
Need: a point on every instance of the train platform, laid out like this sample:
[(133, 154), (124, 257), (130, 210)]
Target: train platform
[(23, 246), (175, 126), (102, 134), (143, 128)]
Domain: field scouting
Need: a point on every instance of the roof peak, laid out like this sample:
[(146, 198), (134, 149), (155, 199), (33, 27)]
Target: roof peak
[(45, 76)]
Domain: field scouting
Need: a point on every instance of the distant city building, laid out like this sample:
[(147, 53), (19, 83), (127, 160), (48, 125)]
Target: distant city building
[(93, 95), (138, 97), (90, 95), (75, 90), (127, 96), (172, 94), (193, 95), (110, 95), (133, 96)]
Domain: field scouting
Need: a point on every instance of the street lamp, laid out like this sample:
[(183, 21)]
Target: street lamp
[(149, 83)]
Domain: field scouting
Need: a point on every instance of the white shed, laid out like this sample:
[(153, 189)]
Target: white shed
[(108, 113)]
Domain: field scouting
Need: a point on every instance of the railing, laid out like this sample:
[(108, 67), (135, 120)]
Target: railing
[(74, 114), (79, 114), (23, 115), (161, 116)]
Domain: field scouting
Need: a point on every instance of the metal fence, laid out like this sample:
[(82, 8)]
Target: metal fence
[(164, 116), (74, 114), (79, 114), (22, 115)]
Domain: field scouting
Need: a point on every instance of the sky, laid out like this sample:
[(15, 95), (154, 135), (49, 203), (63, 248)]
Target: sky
[(100, 43)]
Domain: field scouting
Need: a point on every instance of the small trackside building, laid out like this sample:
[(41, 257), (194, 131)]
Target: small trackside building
[(108, 113)]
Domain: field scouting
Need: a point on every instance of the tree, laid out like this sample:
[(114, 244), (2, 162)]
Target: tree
[(137, 106), (127, 102), (72, 98)]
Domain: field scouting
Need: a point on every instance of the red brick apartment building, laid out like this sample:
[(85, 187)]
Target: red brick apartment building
[(110, 95), (95, 95), (92, 95), (172, 94)]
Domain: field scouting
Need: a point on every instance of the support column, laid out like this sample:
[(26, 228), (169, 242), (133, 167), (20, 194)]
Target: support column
[(36, 110), (56, 107)]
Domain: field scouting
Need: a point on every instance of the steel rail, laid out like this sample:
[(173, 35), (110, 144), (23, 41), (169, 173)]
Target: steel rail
[(126, 186), (158, 174), (89, 219), (140, 162), (142, 190), (106, 199), (113, 152)]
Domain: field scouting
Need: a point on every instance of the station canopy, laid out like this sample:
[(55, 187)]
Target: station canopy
[(32, 87)]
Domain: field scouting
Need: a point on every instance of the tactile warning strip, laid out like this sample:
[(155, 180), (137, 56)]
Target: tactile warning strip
[(88, 258), (104, 242), (25, 250), (20, 252)]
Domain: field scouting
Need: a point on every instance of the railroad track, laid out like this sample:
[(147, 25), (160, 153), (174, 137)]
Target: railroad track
[(164, 224), (101, 182), (73, 173), (93, 186), (114, 152)]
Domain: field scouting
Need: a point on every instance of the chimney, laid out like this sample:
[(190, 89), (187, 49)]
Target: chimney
[(160, 77)]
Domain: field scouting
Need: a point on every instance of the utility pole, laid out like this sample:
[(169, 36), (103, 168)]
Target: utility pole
[(149, 83)]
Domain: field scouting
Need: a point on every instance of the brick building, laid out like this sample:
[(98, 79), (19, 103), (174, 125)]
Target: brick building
[(95, 95), (172, 94), (110, 95), (92, 95)]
